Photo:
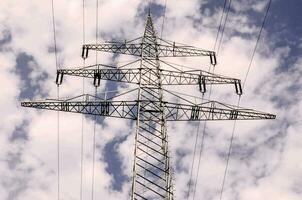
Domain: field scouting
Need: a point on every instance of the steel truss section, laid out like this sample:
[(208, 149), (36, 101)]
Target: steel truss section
[(132, 75), (210, 111), (136, 49), (119, 109), (185, 112)]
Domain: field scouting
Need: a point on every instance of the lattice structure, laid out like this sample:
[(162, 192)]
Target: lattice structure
[(152, 176)]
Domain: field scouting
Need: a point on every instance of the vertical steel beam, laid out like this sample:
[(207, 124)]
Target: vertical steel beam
[(151, 169)]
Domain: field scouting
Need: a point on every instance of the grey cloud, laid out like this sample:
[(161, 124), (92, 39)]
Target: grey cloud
[(6, 39), (17, 178), (20, 132), (23, 69), (111, 157), (15, 186), (156, 10)]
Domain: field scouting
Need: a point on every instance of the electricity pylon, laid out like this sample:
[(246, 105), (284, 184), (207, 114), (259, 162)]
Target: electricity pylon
[(152, 175)]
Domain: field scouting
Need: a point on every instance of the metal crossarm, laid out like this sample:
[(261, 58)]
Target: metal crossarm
[(135, 49), (173, 111), (119, 109), (132, 75), (119, 75), (186, 112)]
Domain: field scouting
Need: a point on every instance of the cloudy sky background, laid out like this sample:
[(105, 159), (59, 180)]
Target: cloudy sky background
[(266, 158)]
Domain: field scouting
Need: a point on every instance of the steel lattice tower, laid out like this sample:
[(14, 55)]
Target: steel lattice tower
[(152, 175)]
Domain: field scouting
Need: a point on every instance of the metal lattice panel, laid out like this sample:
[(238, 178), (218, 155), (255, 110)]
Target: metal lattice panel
[(173, 111), (151, 146), (133, 76), (137, 49)]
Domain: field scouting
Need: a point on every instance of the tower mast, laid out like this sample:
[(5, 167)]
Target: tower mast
[(151, 168)]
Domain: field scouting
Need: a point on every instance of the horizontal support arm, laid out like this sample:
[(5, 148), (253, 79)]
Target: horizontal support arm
[(111, 74), (136, 49), (168, 77), (173, 112), (212, 111), (119, 109)]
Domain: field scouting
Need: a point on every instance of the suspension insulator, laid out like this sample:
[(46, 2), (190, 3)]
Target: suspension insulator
[(233, 114), (173, 49), (86, 55), (96, 79), (238, 87), (213, 58), (202, 84), (195, 112), (59, 78), (104, 108), (65, 106), (84, 52)]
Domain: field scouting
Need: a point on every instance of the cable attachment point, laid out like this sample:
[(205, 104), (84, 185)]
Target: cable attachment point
[(195, 112), (173, 49), (213, 58), (233, 114), (202, 84), (59, 78), (97, 78), (238, 87), (85, 52)]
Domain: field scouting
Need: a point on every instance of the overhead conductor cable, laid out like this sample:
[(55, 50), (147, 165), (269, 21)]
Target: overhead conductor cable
[(244, 82)]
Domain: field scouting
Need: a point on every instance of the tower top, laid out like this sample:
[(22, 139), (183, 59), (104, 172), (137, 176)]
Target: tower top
[(149, 12)]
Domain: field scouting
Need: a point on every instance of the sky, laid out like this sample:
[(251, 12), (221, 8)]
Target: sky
[(265, 162)]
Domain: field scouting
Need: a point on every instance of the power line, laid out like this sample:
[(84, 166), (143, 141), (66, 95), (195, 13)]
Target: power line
[(58, 145), (96, 87), (199, 158), (219, 27), (93, 151), (82, 116), (229, 154), (96, 28), (82, 156), (83, 22), (204, 128), (201, 145), (193, 160), (58, 96), (149, 5), (223, 27), (54, 33), (258, 39), (238, 104), (164, 16), (202, 141)]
